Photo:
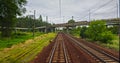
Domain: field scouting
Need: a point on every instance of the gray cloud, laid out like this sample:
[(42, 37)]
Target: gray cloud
[(76, 8)]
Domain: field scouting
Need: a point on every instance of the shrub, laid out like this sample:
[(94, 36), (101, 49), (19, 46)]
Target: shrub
[(82, 32), (106, 37), (97, 31)]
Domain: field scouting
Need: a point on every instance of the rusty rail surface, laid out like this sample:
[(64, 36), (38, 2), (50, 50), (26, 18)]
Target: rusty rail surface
[(99, 55)]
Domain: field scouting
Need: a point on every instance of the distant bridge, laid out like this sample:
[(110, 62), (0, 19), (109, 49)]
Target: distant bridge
[(108, 22), (67, 25)]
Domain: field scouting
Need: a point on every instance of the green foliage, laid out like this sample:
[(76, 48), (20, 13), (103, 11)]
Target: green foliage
[(95, 28), (82, 32), (9, 9), (16, 39), (27, 51), (114, 44), (26, 22), (71, 21), (106, 37), (114, 29), (97, 31), (40, 18), (75, 31)]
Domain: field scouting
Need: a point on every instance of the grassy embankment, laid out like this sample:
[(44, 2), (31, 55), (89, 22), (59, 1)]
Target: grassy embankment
[(26, 51), (114, 44), (75, 32), (20, 37)]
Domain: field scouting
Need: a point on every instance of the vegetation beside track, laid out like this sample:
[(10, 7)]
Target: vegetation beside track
[(26, 51), (98, 32), (75, 32), (17, 38), (113, 45)]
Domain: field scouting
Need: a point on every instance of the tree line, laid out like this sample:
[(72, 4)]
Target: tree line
[(28, 22), (9, 10)]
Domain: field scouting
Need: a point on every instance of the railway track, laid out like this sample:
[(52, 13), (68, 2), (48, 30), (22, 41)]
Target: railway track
[(99, 55), (67, 49), (58, 54)]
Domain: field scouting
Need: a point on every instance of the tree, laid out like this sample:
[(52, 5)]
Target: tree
[(75, 31), (114, 29), (9, 9), (40, 18), (27, 22), (82, 32), (71, 21), (97, 31), (95, 28)]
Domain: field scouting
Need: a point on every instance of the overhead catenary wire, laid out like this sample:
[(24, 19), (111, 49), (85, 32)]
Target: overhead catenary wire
[(113, 9), (93, 10)]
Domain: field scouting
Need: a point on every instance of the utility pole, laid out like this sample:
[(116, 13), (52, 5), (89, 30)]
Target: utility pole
[(117, 9), (34, 24), (89, 15), (46, 19), (46, 24), (72, 17), (119, 22)]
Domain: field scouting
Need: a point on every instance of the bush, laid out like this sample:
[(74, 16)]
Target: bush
[(106, 37), (97, 31), (75, 31), (114, 29), (82, 32)]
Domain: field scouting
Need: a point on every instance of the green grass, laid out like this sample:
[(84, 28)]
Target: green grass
[(75, 32), (27, 51), (114, 45), (16, 39)]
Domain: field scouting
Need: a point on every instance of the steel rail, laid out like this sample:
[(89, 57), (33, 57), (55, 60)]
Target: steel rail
[(91, 53), (53, 51), (65, 53)]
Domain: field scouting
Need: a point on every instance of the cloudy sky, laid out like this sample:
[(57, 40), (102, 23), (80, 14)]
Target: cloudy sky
[(80, 9)]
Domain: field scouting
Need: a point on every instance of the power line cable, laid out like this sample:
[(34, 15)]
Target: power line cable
[(95, 6), (98, 8), (112, 10), (102, 6)]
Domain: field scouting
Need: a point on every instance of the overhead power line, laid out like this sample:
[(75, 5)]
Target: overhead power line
[(101, 6), (94, 10)]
